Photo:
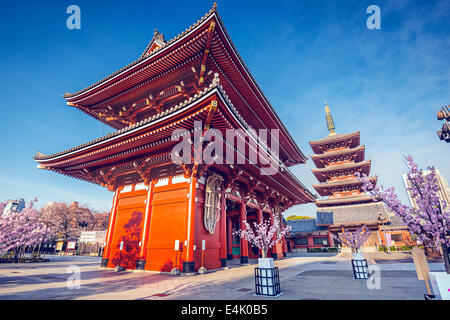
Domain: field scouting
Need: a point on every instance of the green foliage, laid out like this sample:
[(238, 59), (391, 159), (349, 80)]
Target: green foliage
[(323, 249), (394, 248), (294, 217)]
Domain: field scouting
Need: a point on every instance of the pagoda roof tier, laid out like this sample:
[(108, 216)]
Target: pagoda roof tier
[(169, 72), (324, 174), (352, 154), (346, 200), (349, 140), (122, 156), (361, 213), (328, 188)]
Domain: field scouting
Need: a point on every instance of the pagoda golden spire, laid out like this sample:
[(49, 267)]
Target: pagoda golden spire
[(330, 122)]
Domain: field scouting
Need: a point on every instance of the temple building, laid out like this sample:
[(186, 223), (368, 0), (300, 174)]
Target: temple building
[(156, 103), (309, 235), (339, 161), (13, 206)]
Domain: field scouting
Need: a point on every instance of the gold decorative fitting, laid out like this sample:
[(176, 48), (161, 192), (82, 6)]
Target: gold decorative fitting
[(329, 119)]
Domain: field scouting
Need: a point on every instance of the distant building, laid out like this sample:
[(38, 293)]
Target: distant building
[(306, 234), (92, 237), (14, 206), (316, 233), (444, 193)]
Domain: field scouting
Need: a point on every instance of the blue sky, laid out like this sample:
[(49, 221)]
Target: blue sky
[(387, 83)]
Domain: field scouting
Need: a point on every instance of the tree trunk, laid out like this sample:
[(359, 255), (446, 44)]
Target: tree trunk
[(32, 252), (263, 254), (39, 250), (445, 252)]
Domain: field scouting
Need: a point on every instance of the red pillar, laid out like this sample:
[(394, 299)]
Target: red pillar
[(145, 230), (188, 263), (244, 243), (330, 239), (229, 239), (310, 241), (112, 222), (259, 218), (274, 248), (223, 229), (284, 247)]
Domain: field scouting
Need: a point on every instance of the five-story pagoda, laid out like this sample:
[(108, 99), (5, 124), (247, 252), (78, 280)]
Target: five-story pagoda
[(339, 159)]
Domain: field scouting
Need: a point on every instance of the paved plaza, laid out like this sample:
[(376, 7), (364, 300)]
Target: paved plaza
[(302, 276)]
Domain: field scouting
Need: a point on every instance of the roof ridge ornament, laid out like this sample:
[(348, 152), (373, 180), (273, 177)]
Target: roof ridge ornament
[(216, 80), (329, 119), (214, 7), (159, 36)]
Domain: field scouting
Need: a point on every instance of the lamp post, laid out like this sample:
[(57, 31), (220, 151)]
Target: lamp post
[(444, 114)]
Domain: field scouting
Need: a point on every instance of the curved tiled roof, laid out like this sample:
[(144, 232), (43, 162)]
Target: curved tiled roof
[(143, 56), (41, 156), (296, 155), (342, 183), (338, 152), (305, 225), (334, 138), (342, 166)]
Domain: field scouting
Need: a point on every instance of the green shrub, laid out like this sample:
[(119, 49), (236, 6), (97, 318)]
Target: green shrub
[(382, 248), (393, 248)]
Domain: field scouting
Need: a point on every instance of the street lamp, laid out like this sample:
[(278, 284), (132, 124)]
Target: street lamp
[(444, 114)]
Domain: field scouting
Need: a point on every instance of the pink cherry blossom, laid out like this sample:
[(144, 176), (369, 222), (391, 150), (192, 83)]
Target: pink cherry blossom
[(430, 221), (354, 240), (264, 235)]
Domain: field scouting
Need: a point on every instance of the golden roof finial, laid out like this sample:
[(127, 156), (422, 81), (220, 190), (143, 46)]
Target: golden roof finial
[(330, 122)]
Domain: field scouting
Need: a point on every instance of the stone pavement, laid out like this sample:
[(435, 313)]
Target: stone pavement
[(302, 276)]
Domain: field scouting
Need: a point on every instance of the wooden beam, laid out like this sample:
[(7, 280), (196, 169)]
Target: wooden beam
[(206, 53)]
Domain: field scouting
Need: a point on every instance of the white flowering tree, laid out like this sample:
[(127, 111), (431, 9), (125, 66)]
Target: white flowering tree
[(21, 230), (354, 240), (264, 235)]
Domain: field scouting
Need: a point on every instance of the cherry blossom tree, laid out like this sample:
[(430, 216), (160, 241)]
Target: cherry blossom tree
[(264, 235), (21, 230), (354, 240), (101, 221), (429, 220), (59, 220)]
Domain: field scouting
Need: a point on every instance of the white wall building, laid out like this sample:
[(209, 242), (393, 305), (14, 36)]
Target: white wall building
[(444, 193)]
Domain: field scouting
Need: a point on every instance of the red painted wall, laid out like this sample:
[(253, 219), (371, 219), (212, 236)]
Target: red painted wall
[(168, 223), (128, 224)]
